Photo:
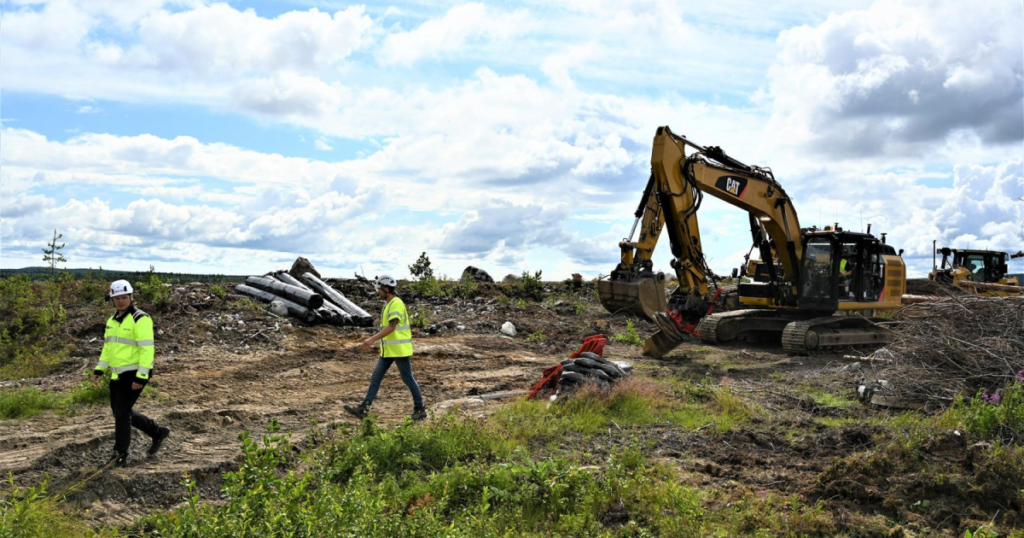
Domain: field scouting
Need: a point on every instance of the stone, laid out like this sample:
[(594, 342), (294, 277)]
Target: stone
[(475, 274), (508, 328), (278, 308), (302, 266)]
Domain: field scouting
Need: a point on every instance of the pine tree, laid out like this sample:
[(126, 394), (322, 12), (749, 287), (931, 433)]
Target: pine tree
[(51, 254), (421, 269)]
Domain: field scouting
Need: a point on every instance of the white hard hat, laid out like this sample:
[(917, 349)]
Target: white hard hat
[(120, 287), (385, 280)]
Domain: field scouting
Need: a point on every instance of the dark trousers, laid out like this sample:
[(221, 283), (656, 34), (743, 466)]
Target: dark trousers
[(122, 399), (404, 369)]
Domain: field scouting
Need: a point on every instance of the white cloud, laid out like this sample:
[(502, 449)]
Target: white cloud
[(464, 25), (899, 77), (217, 41), (321, 145), (288, 94)]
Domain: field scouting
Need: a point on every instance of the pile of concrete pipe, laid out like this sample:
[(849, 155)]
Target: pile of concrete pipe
[(311, 301)]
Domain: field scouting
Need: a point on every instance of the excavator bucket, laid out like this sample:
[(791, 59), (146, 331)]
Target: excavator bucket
[(667, 338), (643, 297), (660, 344)]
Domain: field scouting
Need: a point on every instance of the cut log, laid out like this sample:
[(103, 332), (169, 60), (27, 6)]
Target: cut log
[(297, 295), (915, 299), (294, 308), (359, 316), (985, 286)]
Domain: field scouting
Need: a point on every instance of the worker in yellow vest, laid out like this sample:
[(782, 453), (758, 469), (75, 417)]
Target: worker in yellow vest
[(395, 337), (128, 354)]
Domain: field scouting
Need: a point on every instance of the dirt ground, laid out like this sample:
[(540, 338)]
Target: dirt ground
[(222, 369)]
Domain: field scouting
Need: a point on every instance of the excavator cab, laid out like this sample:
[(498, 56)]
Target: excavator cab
[(983, 265), (841, 267)]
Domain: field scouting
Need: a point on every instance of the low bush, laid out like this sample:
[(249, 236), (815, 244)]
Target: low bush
[(630, 336), (26, 402), (998, 416), (32, 340), (32, 513), (153, 292)]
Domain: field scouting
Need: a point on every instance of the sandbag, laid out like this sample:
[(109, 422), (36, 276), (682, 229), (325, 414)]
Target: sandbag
[(610, 369), (572, 378)]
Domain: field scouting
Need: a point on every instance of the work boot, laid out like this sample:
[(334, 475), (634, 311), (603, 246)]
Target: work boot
[(158, 440), (419, 413), (359, 411), (118, 460)]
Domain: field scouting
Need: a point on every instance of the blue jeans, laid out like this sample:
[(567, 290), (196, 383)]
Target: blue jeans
[(404, 368)]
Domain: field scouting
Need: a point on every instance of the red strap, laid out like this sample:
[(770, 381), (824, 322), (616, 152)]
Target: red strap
[(593, 344), (551, 376)]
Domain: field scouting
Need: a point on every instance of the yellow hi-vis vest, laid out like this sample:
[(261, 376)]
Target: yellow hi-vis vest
[(399, 342), (128, 345)]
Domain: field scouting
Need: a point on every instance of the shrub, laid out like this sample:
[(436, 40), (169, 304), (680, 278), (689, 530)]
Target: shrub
[(31, 329), (153, 292), (464, 288), (427, 287), (537, 337), (630, 336), (32, 513), (420, 270), (530, 286), (219, 291), (579, 307), (419, 319), (26, 402), (998, 416)]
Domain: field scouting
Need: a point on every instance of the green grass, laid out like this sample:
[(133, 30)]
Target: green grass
[(827, 399), (579, 466), (33, 512), (630, 336), (26, 402)]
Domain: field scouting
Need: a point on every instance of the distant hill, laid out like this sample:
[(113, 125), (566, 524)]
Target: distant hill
[(43, 273)]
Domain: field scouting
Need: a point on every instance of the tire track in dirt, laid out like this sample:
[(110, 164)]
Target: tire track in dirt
[(209, 395)]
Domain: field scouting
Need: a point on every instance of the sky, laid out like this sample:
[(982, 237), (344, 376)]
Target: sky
[(232, 137)]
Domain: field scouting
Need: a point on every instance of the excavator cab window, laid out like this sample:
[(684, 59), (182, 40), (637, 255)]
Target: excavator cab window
[(998, 267), (975, 263), (820, 270), (841, 267)]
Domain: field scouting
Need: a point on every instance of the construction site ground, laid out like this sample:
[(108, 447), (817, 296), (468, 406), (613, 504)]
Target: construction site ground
[(224, 367)]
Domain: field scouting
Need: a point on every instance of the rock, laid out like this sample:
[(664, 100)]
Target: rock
[(302, 266), (226, 420), (511, 279), (508, 329), (477, 275), (278, 308)]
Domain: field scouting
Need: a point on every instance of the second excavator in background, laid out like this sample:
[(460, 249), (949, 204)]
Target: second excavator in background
[(809, 276), (982, 272)]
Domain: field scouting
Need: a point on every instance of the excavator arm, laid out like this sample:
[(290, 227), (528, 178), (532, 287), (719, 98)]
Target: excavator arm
[(711, 171), (680, 182)]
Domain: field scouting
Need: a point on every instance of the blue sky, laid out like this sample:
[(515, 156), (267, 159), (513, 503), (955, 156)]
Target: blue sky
[(233, 137)]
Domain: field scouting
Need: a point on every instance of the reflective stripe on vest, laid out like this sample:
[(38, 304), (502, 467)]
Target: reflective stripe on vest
[(399, 342), (128, 345)]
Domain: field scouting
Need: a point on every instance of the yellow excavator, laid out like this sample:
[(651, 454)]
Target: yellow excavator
[(982, 272), (819, 272)]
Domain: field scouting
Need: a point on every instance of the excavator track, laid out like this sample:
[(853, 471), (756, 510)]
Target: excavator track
[(719, 327), (813, 335)]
